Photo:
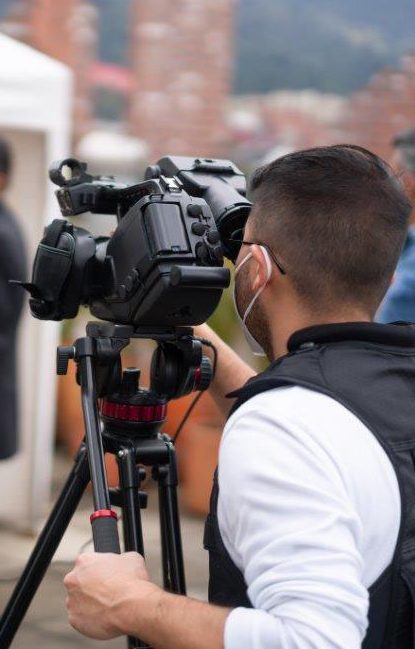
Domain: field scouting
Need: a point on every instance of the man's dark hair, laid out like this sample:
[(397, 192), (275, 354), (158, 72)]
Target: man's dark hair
[(5, 157), (405, 143), (337, 216)]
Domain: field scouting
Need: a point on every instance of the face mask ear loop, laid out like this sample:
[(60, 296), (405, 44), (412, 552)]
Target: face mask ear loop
[(268, 263), (259, 291), (238, 268)]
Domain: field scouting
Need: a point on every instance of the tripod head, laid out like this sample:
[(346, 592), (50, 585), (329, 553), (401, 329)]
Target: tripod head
[(178, 368)]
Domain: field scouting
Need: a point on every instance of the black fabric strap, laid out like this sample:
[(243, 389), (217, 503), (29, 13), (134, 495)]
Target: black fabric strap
[(53, 232), (401, 334)]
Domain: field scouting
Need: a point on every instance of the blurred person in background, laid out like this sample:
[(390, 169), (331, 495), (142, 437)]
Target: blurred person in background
[(312, 526), (399, 302), (12, 266)]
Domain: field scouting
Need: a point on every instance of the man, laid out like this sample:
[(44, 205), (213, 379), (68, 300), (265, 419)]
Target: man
[(311, 527), (12, 266), (399, 302)]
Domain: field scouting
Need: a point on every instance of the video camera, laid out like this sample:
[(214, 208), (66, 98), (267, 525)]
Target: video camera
[(163, 264)]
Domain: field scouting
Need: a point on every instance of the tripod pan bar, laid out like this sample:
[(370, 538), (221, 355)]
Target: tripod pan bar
[(103, 519)]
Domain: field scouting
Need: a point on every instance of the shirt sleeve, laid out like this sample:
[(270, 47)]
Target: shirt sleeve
[(289, 525), (399, 302)]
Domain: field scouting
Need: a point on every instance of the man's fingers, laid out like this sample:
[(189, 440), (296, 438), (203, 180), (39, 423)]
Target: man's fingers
[(135, 556), (83, 559), (69, 580)]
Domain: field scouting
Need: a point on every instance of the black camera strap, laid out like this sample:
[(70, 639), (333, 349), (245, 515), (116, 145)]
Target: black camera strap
[(52, 232), (51, 268)]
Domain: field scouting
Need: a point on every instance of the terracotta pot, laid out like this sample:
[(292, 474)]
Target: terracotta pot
[(69, 419), (197, 449)]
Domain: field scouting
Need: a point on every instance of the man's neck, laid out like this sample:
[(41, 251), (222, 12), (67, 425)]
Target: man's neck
[(302, 319)]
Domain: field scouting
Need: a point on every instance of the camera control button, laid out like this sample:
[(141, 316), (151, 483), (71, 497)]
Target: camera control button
[(194, 210), (202, 253), (122, 293), (198, 228), (135, 275), (131, 280), (213, 236), (129, 283)]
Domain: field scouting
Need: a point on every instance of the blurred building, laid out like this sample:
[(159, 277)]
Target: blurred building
[(172, 90), (382, 109), (181, 55), (65, 31), (262, 127), (265, 126)]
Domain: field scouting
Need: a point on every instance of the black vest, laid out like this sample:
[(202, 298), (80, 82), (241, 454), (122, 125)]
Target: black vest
[(370, 369)]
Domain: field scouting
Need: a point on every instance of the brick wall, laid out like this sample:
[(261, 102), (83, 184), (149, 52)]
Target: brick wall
[(383, 108), (67, 31), (181, 53)]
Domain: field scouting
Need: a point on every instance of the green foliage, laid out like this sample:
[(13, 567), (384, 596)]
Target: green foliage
[(330, 45), (224, 320)]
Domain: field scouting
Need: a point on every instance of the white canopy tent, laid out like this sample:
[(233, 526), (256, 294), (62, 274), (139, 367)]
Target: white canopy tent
[(35, 97)]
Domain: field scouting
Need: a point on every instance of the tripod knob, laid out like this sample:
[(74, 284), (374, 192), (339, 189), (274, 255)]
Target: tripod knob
[(204, 374), (130, 381), (63, 355)]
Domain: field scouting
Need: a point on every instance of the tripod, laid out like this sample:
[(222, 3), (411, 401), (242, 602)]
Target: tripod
[(131, 419)]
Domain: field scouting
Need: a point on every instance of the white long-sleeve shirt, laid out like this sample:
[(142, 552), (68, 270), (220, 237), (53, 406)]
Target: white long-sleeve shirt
[(309, 511)]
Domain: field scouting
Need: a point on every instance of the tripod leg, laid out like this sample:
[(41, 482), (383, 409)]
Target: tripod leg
[(133, 533), (169, 518), (130, 484), (44, 549), (163, 539)]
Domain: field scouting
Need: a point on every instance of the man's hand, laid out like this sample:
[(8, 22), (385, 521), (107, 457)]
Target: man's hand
[(231, 371), (111, 595), (101, 588)]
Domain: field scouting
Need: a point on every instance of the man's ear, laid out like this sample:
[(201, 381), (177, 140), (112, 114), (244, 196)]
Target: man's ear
[(260, 267)]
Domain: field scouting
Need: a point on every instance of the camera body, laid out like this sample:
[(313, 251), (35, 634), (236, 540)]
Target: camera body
[(164, 264)]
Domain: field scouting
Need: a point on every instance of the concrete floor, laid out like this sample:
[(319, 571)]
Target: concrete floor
[(45, 625)]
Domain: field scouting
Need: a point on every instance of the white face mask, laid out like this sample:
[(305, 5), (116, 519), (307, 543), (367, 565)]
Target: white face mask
[(253, 344)]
